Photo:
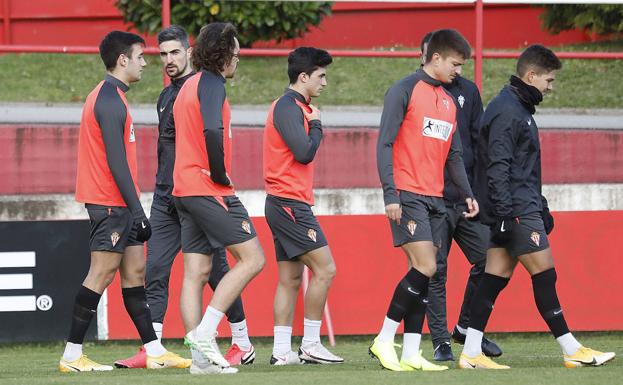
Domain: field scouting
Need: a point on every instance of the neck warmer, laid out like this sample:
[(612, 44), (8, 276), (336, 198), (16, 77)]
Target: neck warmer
[(529, 95)]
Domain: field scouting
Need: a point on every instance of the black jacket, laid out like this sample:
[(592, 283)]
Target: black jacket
[(508, 160), (468, 115), (166, 142)]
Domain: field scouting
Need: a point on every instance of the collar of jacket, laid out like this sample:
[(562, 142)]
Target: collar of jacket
[(296, 95), (178, 82), (117, 83), (214, 74), (427, 78), (529, 96)]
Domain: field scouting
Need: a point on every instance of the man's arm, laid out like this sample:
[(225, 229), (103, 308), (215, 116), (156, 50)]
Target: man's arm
[(475, 116), (394, 110), (456, 168), (110, 113), (289, 122), (211, 99), (501, 148)]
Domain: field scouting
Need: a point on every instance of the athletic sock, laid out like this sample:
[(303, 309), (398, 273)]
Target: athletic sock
[(414, 319), (157, 329), (480, 311), (154, 348), (85, 307), (407, 293), (211, 318), (311, 331), (240, 334), (410, 345), (135, 302), (72, 352), (544, 287), (388, 331), (482, 303), (283, 340), (569, 344), (473, 343)]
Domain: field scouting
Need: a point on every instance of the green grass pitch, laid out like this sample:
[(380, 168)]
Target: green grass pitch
[(534, 358)]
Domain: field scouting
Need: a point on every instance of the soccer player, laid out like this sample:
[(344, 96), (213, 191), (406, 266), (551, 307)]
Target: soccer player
[(291, 138), (106, 183), (471, 235), (416, 141), (508, 182), (211, 215), (165, 242)]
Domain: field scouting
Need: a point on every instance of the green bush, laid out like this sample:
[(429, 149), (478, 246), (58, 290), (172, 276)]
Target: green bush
[(255, 20), (602, 19)]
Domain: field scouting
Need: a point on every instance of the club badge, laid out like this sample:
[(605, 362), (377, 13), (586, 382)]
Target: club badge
[(246, 226), (461, 100), (536, 237), (311, 233), (411, 226), (114, 238)]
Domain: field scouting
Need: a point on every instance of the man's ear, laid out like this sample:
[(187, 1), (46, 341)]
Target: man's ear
[(122, 60)]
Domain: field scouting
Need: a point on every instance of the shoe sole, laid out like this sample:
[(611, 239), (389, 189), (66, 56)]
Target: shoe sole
[(371, 353), (316, 360), (579, 364), (249, 360)]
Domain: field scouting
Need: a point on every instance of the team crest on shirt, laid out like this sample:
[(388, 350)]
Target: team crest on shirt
[(435, 128), (246, 226), (536, 238), (311, 233), (132, 138), (461, 100), (114, 238), (411, 226), (446, 104)]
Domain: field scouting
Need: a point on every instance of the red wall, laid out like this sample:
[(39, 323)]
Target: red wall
[(352, 25), (38, 159), (368, 269)]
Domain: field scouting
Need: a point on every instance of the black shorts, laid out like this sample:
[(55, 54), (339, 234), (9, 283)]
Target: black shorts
[(112, 228), (528, 236), (211, 221), (422, 219), (295, 228)]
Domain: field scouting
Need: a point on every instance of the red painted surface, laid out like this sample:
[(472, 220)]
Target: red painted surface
[(368, 269), (39, 159), (352, 25)]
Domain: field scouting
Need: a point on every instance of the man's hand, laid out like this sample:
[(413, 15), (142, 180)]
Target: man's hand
[(548, 220), (472, 208), (501, 231), (206, 172), (143, 228), (313, 115), (393, 212)]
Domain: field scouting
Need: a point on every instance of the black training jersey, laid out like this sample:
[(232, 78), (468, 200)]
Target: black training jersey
[(508, 160), (468, 115), (166, 142)]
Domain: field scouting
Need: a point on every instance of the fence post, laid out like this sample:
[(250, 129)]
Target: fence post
[(166, 21), (6, 10), (479, 44)]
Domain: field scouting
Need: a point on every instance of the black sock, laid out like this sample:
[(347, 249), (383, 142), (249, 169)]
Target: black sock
[(408, 291), (84, 309), (414, 319), (135, 302), (544, 287), (482, 303)]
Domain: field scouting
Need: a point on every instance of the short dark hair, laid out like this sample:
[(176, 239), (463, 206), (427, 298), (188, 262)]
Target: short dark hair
[(116, 43), (307, 60), (214, 47), (425, 40), (174, 32), (539, 58), (446, 42)]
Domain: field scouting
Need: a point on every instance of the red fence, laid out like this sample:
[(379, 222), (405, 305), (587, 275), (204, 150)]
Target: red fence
[(368, 268)]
